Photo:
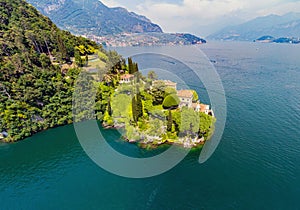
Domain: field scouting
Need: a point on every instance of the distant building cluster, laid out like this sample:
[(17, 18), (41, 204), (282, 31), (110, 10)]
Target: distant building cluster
[(131, 39)]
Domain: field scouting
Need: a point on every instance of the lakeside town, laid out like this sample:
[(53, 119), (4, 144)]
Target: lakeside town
[(146, 39)]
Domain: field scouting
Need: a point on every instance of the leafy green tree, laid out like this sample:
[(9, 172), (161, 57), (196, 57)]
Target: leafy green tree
[(176, 116), (45, 60), (155, 127), (148, 102), (108, 119), (158, 92), (169, 91), (152, 75), (189, 121), (114, 61), (195, 96), (205, 125), (78, 59), (171, 101)]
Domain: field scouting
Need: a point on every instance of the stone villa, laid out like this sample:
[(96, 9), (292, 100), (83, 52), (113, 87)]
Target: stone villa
[(126, 78), (185, 97)]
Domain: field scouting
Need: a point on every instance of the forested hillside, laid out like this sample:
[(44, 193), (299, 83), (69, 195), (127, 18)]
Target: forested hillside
[(35, 94)]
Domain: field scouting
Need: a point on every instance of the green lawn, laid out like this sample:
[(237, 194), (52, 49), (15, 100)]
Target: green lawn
[(94, 63)]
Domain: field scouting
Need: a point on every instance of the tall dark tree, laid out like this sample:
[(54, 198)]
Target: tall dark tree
[(109, 110), (170, 122), (62, 48), (134, 109), (130, 66), (136, 68), (139, 106), (86, 60)]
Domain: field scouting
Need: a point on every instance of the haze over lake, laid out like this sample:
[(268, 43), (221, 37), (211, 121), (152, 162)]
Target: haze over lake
[(256, 165)]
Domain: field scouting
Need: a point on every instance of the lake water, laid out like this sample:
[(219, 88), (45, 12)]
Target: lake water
[(256, 165)]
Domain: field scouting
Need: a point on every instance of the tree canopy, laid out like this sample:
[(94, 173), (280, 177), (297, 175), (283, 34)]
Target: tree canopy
[(171, 101)]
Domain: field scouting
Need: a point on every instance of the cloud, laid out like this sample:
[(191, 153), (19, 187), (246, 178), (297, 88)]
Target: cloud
[(204, 16), (190, 15), (282, 8)]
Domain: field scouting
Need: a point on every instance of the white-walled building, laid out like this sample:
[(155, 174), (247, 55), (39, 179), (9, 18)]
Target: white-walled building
[(185, 97), (126, 78)]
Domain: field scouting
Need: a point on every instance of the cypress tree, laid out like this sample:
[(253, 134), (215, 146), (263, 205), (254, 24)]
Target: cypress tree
[(61, 47), (170, 121), (134, 109), (137, 75), (139, 106), (130, 66), (109, 110), (136, 68)]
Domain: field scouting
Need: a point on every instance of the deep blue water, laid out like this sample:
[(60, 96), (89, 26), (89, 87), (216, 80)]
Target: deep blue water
[(256, 165)]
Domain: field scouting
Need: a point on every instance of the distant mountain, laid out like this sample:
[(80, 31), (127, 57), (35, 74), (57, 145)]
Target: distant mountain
[(111, 26), (93, 17), (287, 25)]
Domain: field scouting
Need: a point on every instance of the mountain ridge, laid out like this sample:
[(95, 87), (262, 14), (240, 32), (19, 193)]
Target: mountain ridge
[(287, 25), (114, 26), (92, 16)]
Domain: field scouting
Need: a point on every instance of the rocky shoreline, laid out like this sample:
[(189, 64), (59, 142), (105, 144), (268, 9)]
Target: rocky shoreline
[(147, 141)]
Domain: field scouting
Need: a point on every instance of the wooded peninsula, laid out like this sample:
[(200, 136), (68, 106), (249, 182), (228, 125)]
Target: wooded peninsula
[(39, 65)]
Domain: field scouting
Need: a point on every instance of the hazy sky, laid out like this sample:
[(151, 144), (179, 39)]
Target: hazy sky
[(203, 17)]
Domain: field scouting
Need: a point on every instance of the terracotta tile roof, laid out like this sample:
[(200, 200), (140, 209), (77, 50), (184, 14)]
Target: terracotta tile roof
[(204, 107), (185, 93), (195, 105), (127, 76)]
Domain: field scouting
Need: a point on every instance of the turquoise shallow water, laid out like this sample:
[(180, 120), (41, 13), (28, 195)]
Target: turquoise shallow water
[(256, 165)]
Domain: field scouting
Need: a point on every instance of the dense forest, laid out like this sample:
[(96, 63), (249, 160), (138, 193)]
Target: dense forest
[(35, 91)]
